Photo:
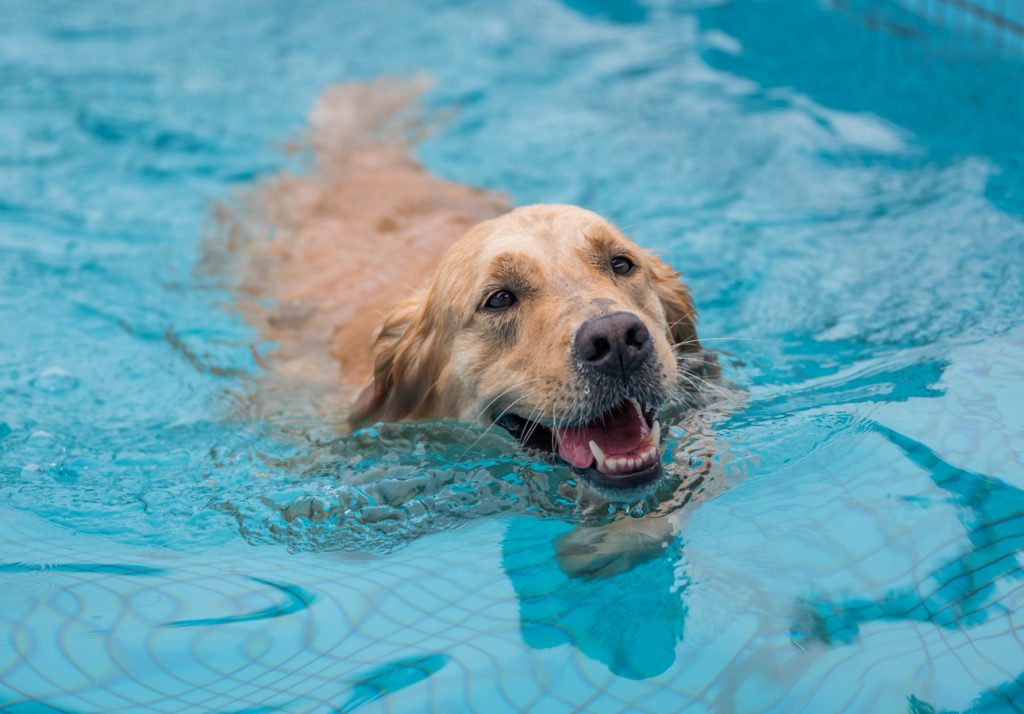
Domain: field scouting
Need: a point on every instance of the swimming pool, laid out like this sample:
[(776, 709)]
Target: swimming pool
[(843, 187)]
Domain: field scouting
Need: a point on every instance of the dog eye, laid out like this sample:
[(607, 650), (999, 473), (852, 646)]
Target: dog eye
[(622, 265), (500, 300)]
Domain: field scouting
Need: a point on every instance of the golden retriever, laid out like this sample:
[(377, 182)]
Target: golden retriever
[(551, 323), (408, 297)]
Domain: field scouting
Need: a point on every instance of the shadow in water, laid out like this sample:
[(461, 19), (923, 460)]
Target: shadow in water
[(1007, 697), (962, 593), (296, 599), (623, 605), (391, 677)]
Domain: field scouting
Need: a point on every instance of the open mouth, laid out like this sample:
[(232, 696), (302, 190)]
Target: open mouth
[(621, 448)]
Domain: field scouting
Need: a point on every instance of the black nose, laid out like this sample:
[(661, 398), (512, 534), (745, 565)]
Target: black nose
[(616, 344)]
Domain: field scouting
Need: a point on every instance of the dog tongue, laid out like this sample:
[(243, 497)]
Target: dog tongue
[(619, 431)]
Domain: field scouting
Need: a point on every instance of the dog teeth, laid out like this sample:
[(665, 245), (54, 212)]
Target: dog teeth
[(598, 454), (624, 464), (655, 436), (639, 409)]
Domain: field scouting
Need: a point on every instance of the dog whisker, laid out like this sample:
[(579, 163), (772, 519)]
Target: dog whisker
[(690, 358), (719, 339), (701, 383), (533, 424), (496, 419)]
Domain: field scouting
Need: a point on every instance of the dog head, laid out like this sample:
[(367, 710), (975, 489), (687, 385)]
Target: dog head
[(551, 323)]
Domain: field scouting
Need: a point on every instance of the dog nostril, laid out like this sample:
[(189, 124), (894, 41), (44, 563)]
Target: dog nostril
[(599, 348), (636, 337)]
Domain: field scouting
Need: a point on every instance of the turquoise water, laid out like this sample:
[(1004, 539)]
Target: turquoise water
[(843, 187)]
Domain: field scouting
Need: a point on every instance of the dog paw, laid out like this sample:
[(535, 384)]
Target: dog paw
[(606, 551)]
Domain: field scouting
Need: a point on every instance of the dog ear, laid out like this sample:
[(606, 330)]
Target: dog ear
[(408, 361), (678, 304)]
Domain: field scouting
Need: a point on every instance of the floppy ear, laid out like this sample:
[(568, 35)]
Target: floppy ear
[(408, 361), (679, 311)]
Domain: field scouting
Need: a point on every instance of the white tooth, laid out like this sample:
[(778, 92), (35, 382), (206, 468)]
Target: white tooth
[(598, 454), (613, 464), (633, 464), (636, 405), (655, 436)]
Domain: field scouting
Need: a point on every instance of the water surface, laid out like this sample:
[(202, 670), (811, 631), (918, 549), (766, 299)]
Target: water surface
[(844, 191)]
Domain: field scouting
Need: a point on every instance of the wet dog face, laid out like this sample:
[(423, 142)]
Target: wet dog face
[(551, 323)]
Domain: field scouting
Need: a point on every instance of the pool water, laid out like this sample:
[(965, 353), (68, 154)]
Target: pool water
[(842, 185)]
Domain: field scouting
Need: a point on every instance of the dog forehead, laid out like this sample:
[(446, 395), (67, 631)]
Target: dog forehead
[(560, 246), (552, 244)]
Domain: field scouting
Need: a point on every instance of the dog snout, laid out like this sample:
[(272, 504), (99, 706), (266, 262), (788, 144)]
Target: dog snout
[(616, 345)]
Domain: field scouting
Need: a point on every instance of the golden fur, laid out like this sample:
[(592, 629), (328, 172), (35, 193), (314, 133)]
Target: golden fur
[(315, 259), (367, 274), (334, 265), (440, 354)]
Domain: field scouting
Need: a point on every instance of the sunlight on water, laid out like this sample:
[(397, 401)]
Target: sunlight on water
[(841, 184)]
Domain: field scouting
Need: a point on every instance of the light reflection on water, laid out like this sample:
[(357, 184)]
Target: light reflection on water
[(847, 207)]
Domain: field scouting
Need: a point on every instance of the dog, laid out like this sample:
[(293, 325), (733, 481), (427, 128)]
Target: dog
[(393, 295), (549, 322)]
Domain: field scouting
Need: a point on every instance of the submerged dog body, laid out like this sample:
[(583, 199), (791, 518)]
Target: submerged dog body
[(549, 322)]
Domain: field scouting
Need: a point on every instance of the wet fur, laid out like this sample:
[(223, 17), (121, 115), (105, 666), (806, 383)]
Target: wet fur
[(320, 255), (367, 274), (438, 354)]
